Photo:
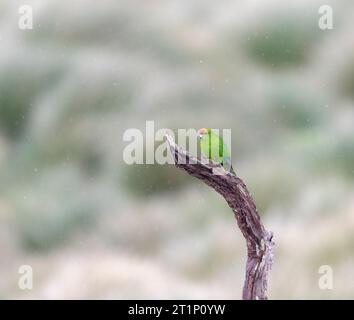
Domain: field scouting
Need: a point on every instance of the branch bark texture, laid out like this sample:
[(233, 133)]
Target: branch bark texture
[(259, 241)]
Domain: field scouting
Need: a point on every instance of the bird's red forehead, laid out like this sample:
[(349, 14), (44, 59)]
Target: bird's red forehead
[(202, 131)]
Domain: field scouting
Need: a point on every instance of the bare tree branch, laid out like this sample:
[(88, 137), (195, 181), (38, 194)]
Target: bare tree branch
[(232, 188)]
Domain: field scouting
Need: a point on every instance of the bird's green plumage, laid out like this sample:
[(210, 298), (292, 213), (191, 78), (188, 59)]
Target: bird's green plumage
[(214, 148)]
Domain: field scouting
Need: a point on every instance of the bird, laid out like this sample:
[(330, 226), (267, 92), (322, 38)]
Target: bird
[(214, 148)]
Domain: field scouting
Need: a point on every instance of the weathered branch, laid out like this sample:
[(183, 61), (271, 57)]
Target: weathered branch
[(232, 188)]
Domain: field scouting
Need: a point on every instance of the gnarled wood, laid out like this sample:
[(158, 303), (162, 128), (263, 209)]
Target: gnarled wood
[(259, 241)]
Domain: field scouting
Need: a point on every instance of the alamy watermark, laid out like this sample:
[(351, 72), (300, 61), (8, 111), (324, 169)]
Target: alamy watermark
[(25, 21), (25, 281), (326, 19), (149, 147), (325, 281)]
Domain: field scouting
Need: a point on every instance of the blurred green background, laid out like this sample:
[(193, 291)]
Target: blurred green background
[(93, 227)]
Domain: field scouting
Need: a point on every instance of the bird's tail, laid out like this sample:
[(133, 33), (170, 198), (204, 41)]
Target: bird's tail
[(228, 165)]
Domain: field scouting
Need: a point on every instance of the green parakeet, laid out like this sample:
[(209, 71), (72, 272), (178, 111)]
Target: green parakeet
[(214, 148)]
